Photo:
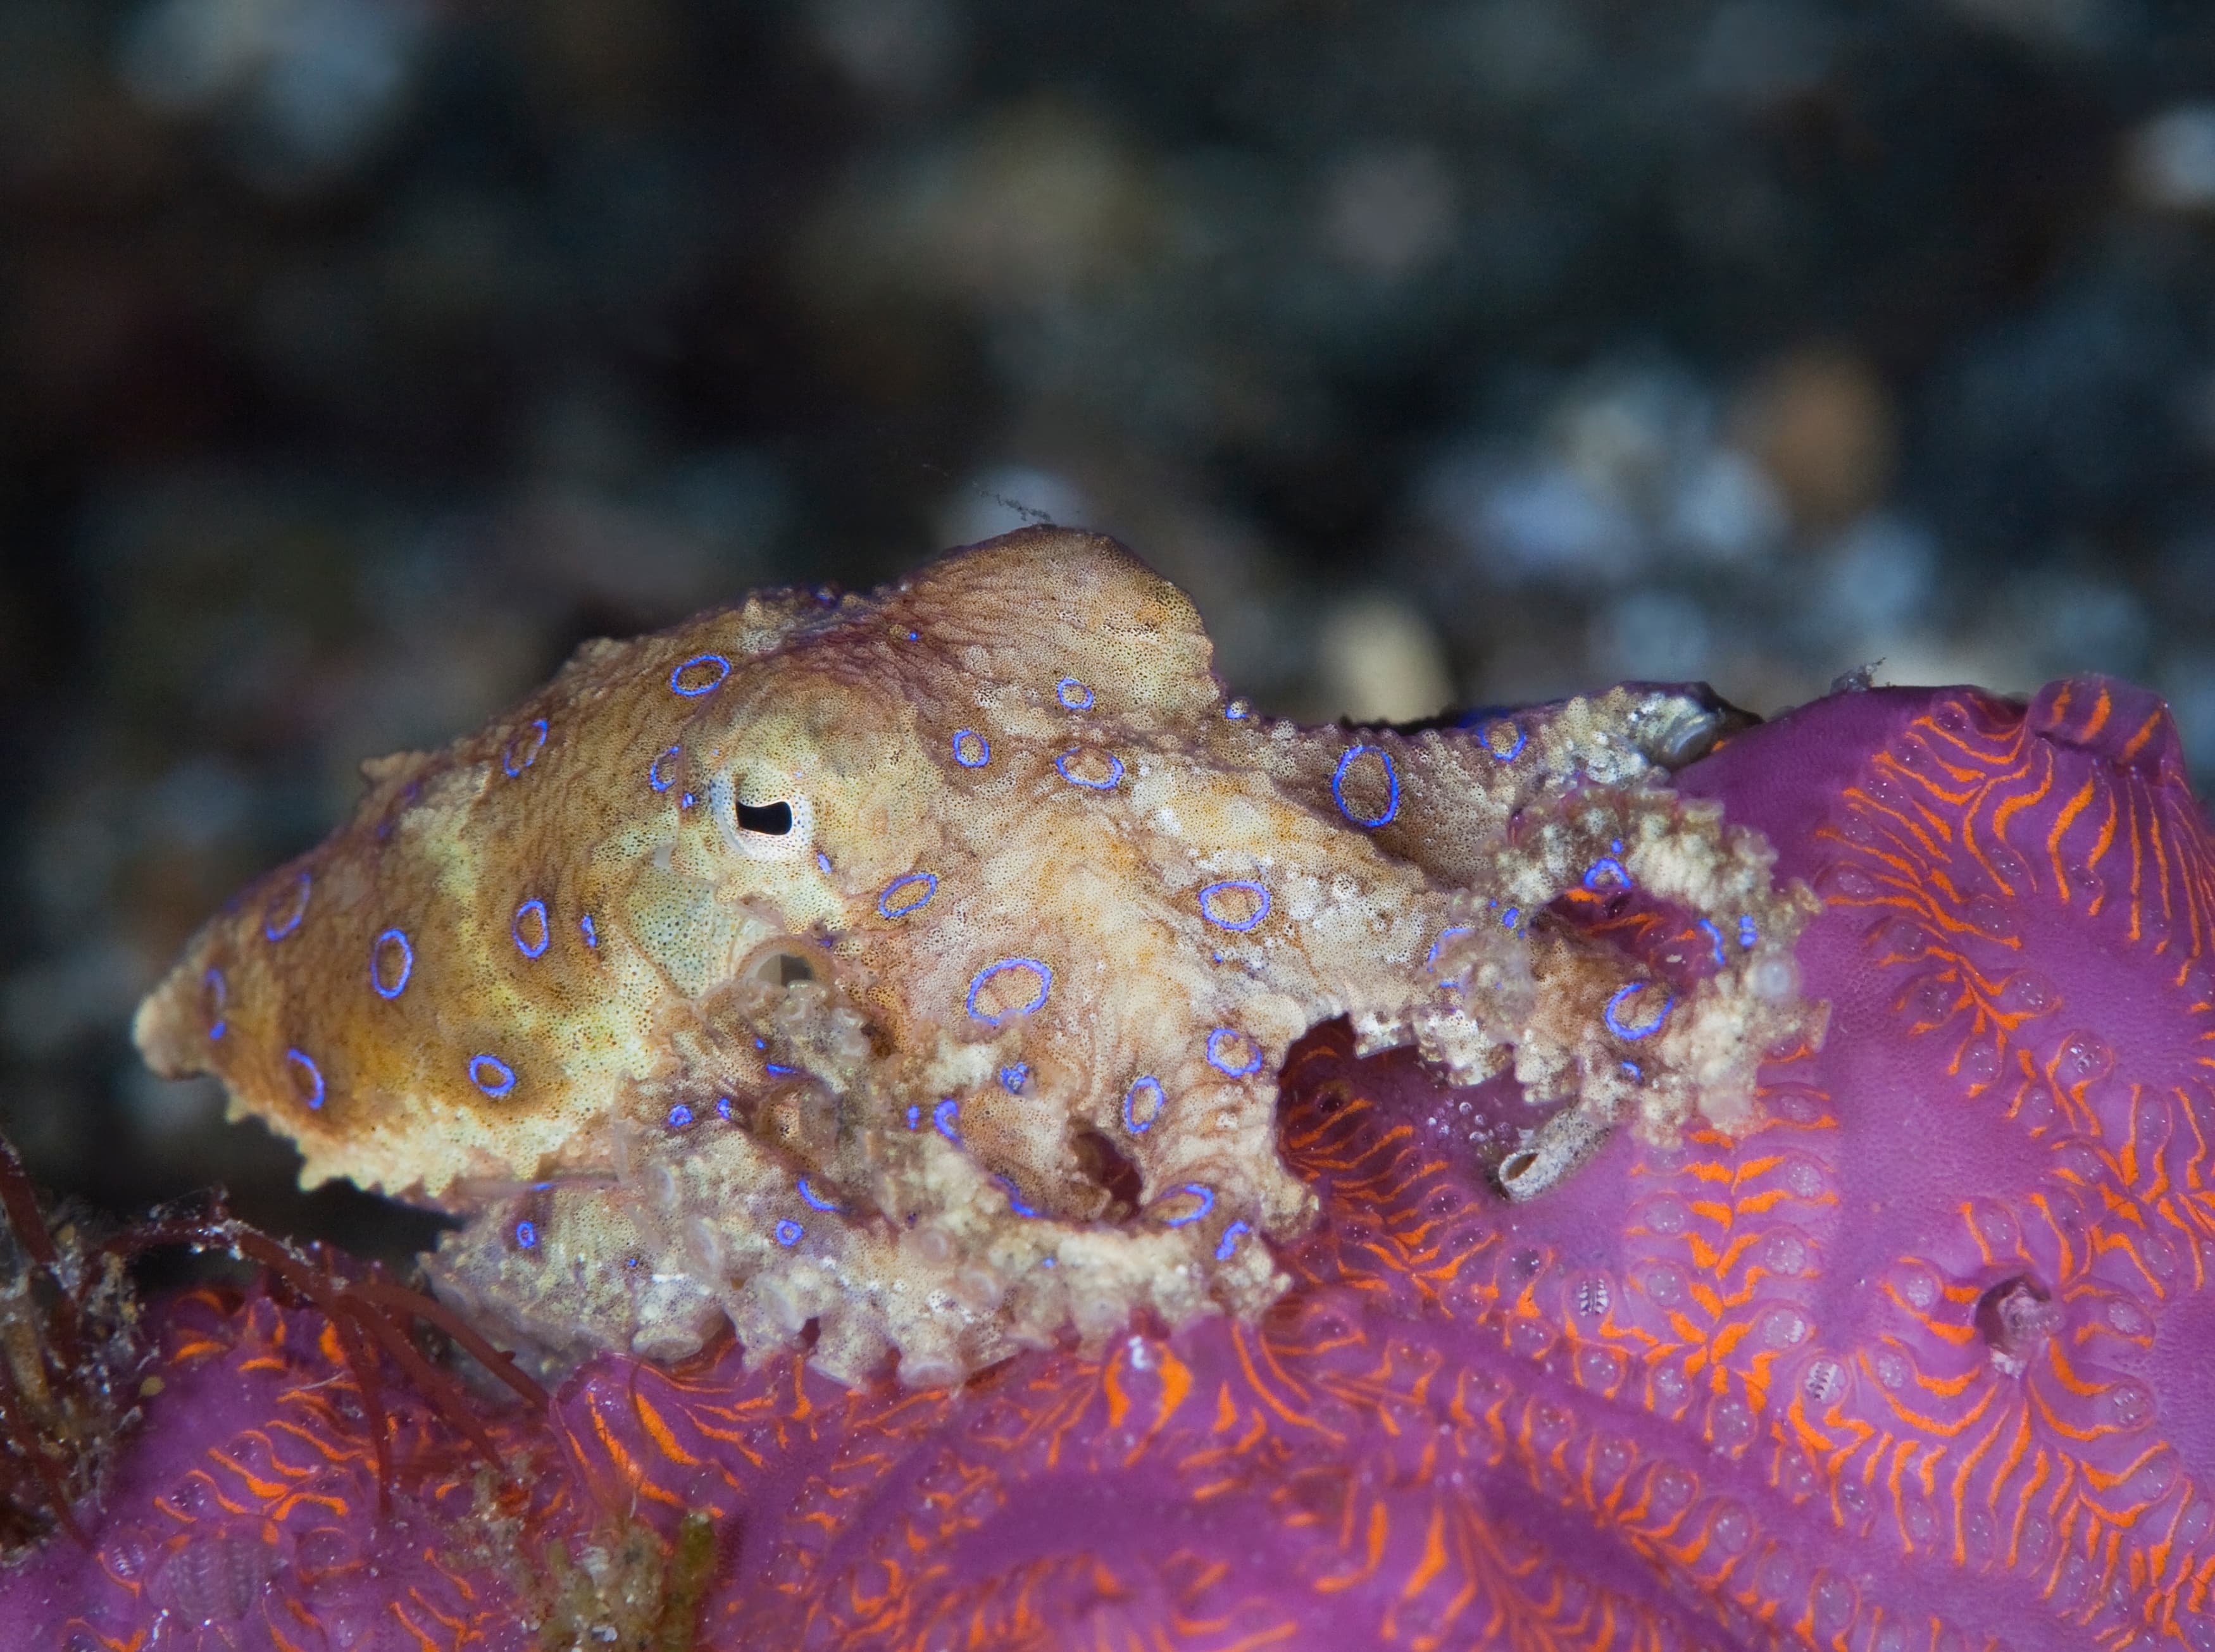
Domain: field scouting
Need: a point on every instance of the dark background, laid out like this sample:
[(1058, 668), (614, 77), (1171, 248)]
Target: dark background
[(360, 356)]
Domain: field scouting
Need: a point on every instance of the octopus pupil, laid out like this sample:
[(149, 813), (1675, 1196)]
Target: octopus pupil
[(783, 969), (774, 818)]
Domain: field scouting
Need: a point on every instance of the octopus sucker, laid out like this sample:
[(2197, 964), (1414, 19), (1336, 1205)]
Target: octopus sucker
[(912, 972)]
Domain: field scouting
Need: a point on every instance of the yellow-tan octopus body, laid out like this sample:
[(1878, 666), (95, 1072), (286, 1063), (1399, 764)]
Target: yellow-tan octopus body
[(919, 966)]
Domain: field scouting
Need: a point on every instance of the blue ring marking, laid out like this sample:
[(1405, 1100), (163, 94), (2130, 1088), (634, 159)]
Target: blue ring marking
[(1507, 918), (980, 746), (1622, 1028), (1237, 711), (1223, 1036), (781, 1071), (722, 1107), (502, 1079), (527, 1235), (1714, 939), (536, 728), (1251, 888), (1231, 1240), (315, 1098), (1522, 739), (680, 1117), (1045, 985), (914, 1115), (721, 666), (1108, 785), (272, 930), (1130, 1120), (815, 1199), (1012, 1078), (930, 882), (1747, 934), (1207, 1204), (217, 991), (1391, 782), (686, 801), (1074, 695), (1445, 935), (788, 1232), (545, 935), (591, 935), (823, 863), (655, 777), (1631, 1070), (1608, 864), (407, 964), (942, 1117), (1014, 1196)]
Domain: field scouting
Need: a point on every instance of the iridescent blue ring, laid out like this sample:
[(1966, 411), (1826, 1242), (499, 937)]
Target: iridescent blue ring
[(655, 777), (1231, 1240), (492, 1075), (1108, 785), (376, 957), (1522, 738), (314, 1096), (1714, 940), (584, 928), (1147, 1086), (526, 1234), (1606, 866), (788, 1232), (217, 993), (930, 882), (536, 731), (721, 666), (1623, 1029), (1251, 888), (1206, 1197), (1222, 1036), (942, 1117), (1046, 985), (1391, 782), (815, 1199), (980, 745), (1074, 695), (1445, 935), (680, 1118), (273, 930), (1016, 1197), (545, 934)]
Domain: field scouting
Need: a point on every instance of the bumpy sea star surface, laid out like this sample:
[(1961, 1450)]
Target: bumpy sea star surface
[(1915, 1360), (914, 971)]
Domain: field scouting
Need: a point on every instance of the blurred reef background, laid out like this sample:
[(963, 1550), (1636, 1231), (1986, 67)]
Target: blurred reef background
[(357, 357)]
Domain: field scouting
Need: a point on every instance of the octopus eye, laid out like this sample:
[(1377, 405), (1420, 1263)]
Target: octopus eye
[(785, 969), (774, 818)]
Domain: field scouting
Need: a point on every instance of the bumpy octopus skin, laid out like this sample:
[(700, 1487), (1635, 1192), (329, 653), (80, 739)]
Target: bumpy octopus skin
[(1917, 1361), (913, 972)]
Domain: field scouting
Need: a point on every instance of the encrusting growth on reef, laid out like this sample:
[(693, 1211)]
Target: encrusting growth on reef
[(911, 971)]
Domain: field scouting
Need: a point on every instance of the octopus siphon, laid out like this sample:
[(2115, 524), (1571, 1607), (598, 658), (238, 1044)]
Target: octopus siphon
[(906, 977)]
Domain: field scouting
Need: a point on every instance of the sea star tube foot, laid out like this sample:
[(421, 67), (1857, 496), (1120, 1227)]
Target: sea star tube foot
[(912, 972)]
